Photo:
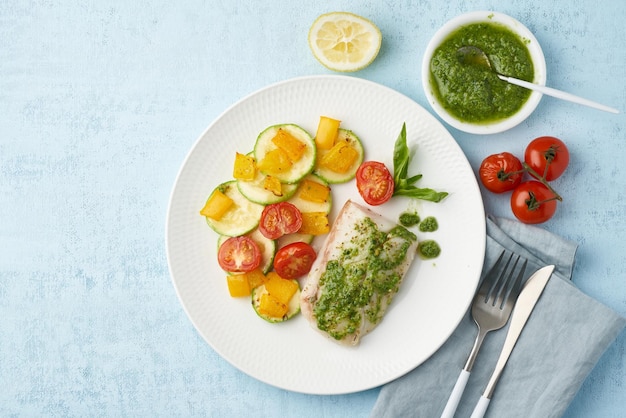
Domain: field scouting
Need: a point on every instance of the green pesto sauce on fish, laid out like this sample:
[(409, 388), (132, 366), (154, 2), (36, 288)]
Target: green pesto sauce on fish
[(362, 278)]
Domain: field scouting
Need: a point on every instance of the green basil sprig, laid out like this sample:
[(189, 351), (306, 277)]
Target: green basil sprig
[(404, 186)]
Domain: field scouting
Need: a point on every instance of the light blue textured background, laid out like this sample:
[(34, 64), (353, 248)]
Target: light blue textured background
[(101, 101)]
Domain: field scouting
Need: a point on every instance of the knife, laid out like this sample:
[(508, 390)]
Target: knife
[(523, 307)]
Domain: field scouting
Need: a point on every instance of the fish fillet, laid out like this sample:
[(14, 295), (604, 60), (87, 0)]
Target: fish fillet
[(356, 274)]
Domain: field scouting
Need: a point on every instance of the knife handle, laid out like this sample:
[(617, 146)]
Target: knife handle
[(455, 396), (481, 407)]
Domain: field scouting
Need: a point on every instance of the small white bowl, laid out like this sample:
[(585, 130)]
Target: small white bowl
[(536, 54)]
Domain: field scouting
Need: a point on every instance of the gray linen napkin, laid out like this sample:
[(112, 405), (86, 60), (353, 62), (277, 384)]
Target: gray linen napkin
[(562, 341)]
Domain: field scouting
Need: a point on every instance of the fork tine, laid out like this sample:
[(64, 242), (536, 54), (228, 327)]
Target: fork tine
[(502, 281), (494, 280), (516, 288), (511, 286), (491, 279)]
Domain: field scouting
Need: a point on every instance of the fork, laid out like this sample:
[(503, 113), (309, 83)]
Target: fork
[(491, 309)]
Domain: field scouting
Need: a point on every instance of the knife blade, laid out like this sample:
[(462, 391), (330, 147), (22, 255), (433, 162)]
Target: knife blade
[(523, 308)]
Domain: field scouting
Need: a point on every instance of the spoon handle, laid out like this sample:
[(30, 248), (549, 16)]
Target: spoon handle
[(557, 93)]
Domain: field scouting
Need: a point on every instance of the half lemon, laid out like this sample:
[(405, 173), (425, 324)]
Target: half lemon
[(343, 41)]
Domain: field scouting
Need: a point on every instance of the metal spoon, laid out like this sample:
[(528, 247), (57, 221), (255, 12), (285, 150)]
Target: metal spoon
[(472, 55)]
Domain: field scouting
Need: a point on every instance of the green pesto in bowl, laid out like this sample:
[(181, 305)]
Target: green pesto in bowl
[(472, 93)]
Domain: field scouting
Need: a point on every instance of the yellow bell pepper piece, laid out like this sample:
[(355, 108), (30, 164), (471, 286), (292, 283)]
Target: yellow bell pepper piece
[(293, 147), (217, 205), (273, 185), (238, 285), (313, 191), (275, 162), (282, 289), (245, 168), (271, 306), (340, 157), (327, 131), (256, 278), (314, 223)]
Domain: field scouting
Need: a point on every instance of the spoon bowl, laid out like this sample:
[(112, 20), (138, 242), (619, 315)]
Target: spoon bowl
[(472, 55)]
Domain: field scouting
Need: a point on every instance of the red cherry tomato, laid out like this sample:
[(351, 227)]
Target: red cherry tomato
[(279, 219), (374, 182), (239, 255), (548, 156), (532, 202), (294, 260), (500, 173)]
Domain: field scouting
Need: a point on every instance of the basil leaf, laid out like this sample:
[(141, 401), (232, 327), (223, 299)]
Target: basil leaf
[(403, 186), (400, 157), (406, 183), (423, 194), (411, 180)]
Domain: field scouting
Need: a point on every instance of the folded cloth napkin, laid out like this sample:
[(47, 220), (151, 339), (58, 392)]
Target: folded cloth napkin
[(563, 339)]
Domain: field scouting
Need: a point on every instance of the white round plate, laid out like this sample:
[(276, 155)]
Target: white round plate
[(435, 294)]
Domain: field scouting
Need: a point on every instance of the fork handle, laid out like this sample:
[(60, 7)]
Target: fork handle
[(481, 407), (455, 396)]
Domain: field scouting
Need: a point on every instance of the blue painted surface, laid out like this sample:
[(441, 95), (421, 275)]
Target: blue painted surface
[(101, 101)]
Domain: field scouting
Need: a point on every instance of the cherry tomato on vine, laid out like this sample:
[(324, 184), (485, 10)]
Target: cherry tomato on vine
[(374, 182), (532, 202), (548, 156), (279, 219), (501, 172), (294, 260), (239, 255)]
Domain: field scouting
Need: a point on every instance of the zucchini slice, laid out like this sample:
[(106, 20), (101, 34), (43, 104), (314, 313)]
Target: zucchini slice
[(291, 238), (241, 218), (293, 308), (255, 192), (334, 177), (300, 168), (266, 245)]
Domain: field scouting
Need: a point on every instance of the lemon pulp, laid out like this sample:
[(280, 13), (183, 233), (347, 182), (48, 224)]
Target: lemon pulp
[(343, 41)]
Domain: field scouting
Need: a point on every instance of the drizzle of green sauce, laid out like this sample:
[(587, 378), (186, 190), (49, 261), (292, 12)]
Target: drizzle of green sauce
[(429, 249), (429, 224), (409, 219), (362, 279), (474, 94)]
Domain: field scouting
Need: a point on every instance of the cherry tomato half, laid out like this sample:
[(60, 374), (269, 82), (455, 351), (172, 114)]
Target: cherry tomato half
[(294, 260), (532, 202), (279, 219), (374, 182), (548, 156), (501, 172), (239, 255)]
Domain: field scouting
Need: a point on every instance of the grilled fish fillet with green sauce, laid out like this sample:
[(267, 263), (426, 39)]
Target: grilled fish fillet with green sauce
[(356, 274)]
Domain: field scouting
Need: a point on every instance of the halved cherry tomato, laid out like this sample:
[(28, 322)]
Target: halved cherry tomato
[(532, 202), (501, 172), (279, 219), (374, 182), (239, 255), (294, 260), (548, 156)]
